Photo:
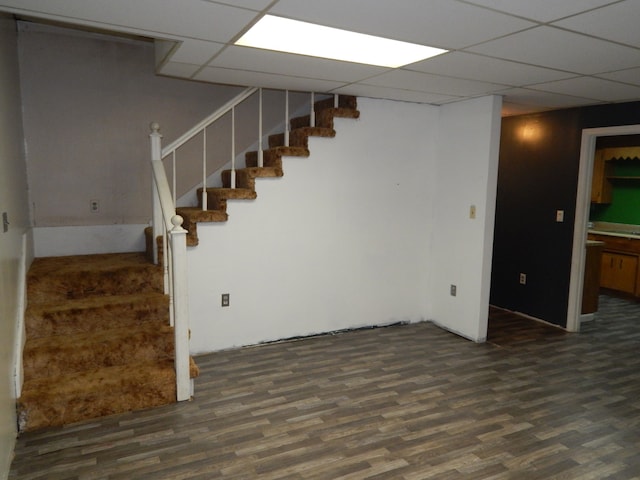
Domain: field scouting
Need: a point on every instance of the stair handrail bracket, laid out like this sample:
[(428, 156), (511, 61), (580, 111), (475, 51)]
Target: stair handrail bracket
[(168, 225)]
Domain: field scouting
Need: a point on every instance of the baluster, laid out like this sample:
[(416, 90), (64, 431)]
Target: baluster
[(312, 119), (233, 147), (286, 118), (336, 103), (173, 175), (204, 169), (260, 156), (157, 224)]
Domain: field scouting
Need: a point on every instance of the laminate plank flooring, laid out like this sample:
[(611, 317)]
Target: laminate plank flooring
[(403, 402)]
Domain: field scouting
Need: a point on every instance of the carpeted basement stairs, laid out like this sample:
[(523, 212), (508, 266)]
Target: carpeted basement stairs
[(97, 326), (98, 339)]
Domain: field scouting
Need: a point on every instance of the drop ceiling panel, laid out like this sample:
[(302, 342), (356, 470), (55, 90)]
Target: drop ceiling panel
[(395, 93), (542, 10), (498, 45), (438, 23), (555, 48), (618, 23), (487, 69), (589, 87), (246, 58), (425, 82), (265, 80), (631, 76), (251, 4), (548, 100), (204, 20)]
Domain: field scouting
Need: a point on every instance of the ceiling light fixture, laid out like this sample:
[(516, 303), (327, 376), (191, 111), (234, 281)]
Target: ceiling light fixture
[(302, 38)]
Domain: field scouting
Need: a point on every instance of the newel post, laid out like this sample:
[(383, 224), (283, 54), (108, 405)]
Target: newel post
[(157, 217), (178, 239)]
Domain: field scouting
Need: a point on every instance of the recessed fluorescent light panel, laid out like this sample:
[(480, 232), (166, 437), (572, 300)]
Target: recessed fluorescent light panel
[(293, 36)]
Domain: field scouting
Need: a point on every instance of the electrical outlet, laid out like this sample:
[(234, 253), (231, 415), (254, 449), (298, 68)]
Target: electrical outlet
[(225, 299), (472, 212), (94, 206), (453, 290), (523, 279), (559, 216)]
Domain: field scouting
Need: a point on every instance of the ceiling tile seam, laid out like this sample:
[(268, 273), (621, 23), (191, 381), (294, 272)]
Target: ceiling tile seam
[(230, 42), (469, 79), (520, 17), (538, 65), (488, 92), (538, 90), (602, 39), (213, 67)]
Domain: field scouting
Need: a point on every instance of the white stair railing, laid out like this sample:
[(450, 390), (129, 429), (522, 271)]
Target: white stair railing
[(174, 261), (168, 225)]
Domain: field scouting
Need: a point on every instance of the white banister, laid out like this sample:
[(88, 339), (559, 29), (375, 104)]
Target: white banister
[(178, 240), (169, 225), (312, 118), (192, 132)]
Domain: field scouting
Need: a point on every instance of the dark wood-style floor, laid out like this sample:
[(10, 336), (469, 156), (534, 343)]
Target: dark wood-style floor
[(403, 402)]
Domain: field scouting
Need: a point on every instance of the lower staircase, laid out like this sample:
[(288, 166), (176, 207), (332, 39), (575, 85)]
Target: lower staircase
[(98, 339)]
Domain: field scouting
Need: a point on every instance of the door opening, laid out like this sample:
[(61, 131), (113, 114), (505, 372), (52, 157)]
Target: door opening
[(583, 202)]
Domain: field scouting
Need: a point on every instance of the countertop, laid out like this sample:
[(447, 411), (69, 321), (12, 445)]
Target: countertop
[(615, 229)]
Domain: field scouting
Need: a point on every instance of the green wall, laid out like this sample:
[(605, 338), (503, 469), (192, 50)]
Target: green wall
[(625, 203)]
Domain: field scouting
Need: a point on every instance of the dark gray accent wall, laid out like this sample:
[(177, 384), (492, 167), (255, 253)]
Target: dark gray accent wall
[(538, 175)]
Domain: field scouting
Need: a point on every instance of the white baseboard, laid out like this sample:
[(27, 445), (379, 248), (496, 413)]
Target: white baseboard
[(86, 240)]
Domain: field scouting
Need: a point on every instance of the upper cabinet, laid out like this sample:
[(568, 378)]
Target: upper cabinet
[(601, 185), (604, 174)]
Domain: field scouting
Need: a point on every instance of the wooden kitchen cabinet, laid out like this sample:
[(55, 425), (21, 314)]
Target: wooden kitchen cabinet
[(619, 271), (620, 263), (601, 187)]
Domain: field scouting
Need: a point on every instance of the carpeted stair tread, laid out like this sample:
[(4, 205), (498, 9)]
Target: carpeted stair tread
[(299, 137), (246, 177), (95, 313), (217, 197), (193, 215), (53, 279), (63, 399), (65, 354)]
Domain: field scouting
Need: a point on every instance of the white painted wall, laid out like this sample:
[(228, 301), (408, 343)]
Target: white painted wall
[(467, 172), (13, 200), (88, 101), (341, 241)]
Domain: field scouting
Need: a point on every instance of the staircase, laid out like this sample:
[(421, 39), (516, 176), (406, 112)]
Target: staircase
[(97, 326), (301, 130), (98, 339)]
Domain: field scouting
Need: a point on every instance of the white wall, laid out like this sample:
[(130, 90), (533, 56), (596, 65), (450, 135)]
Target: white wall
[(88, 101), (13, 200), (467, 172), (341, 241)]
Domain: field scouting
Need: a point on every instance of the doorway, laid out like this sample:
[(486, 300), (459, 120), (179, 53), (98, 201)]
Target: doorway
[(583, 201)]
